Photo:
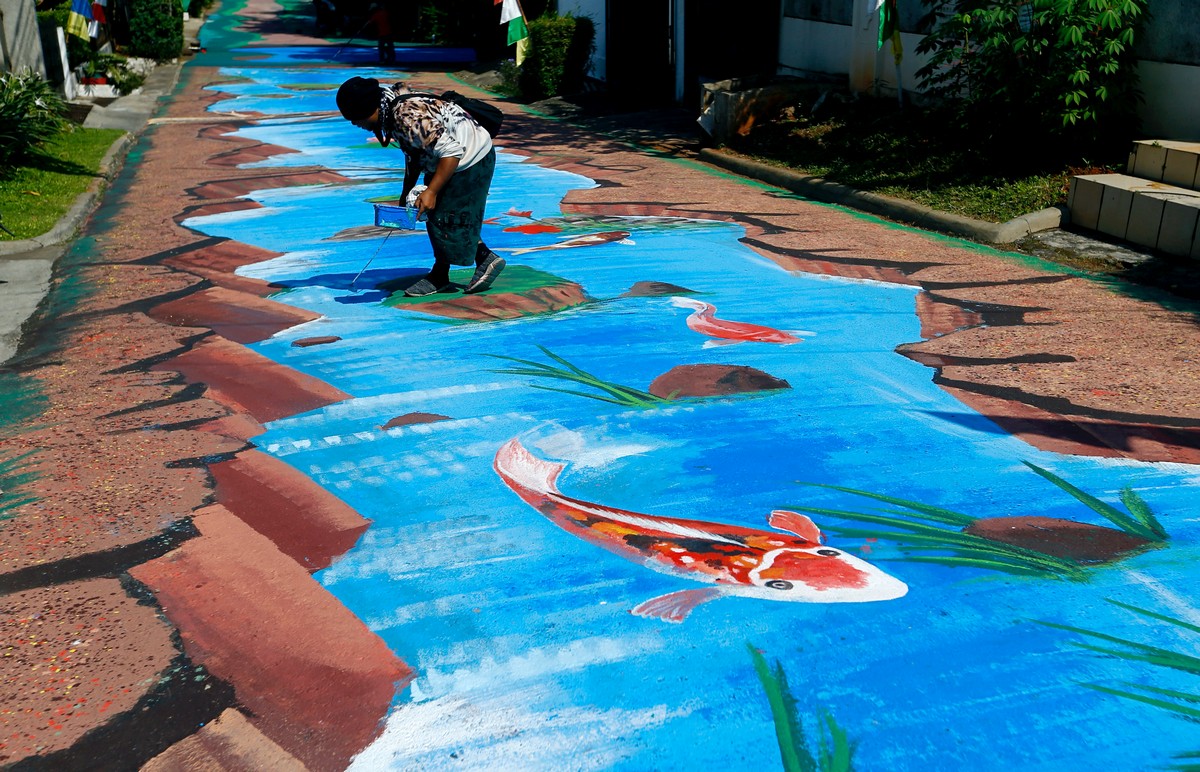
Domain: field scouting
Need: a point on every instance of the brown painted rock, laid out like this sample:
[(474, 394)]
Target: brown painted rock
[(654, 289), (230, 742), (506, 305), (304, 520), (319, 340), (713, 381), (307, 672), (238, 316), (409, 419), (1081, 542)]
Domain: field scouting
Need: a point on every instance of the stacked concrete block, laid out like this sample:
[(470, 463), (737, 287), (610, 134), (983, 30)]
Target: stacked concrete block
[(1155, 204)]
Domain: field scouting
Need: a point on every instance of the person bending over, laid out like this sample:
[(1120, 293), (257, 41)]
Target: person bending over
[(456, 155)]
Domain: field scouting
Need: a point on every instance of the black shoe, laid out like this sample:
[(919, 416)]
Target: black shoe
[(485, 273)]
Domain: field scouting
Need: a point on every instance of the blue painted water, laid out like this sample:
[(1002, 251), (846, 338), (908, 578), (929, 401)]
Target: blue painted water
[(526, 653)]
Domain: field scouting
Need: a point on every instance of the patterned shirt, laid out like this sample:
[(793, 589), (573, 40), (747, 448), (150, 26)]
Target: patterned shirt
[(429, 129)]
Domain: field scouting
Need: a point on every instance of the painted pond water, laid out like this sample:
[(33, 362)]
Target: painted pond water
[(521, 632)]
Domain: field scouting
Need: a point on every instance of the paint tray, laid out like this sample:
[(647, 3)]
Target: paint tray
[(392, 216)]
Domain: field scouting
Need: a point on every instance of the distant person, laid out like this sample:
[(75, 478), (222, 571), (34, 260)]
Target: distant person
[(456, 155), (380, 18), (327, 17)]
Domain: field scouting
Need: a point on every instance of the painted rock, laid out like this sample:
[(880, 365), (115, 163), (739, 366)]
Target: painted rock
[(654, 289), (408, 419), (319, 340), (714, 381), (1081, 542)]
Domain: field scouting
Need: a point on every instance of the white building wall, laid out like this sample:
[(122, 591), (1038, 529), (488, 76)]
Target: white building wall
[(1172, 106), (20, 43)]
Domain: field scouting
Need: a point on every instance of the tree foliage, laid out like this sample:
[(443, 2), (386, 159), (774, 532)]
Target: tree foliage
[(1059, 72), (560, 54), (156, 29)]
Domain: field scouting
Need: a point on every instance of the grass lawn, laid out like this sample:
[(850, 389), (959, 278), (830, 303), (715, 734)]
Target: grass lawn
[(871, 144), (35, 195)]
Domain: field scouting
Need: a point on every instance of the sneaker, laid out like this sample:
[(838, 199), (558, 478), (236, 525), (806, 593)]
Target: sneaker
[(422, 288), (486, 273)]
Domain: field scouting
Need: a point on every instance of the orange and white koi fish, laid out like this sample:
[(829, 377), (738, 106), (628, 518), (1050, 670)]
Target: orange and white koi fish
[(590, 240), (704, 322), (788, 566)]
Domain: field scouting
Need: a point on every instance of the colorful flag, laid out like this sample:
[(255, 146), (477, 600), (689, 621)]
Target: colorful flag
[(512, 15), (78, 18), (889, 25)]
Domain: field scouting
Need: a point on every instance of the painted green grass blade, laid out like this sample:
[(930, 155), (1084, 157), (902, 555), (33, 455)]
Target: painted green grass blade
[(1107, 511), (1114, 639), (950, 560), (1182, 710), (939, 514), (836, 749), (1172, 693), (1138, 507), (599, 397), (788, 731), (950, 537), (1155, 615), (995, 550), (1157, 657), (564, 362)]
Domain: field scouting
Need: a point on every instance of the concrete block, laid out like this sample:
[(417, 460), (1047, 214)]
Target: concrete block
[(1149, 158), (1145, 220), (1180, 168), (1084, 200), (1178, 231), (1115, 206)]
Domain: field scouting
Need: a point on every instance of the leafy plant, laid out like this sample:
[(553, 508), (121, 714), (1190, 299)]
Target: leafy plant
[(942, 531), (155, 29), (1060, 69), (1185, 705), (1139, 522), (560, 54), (834, 751), (31, 113), (960, 549), (611, 392)]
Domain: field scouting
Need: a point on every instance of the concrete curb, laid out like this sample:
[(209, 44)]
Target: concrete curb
[(892, 208), (68, 225)]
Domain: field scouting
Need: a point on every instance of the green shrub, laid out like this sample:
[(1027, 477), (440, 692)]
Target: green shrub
[(30, 113), (155, 29), (560, 54), (1057, 70)]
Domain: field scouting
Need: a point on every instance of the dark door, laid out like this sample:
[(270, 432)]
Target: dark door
[(719, 44), (640, 58)]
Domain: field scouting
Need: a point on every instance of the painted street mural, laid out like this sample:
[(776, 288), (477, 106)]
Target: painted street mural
[(653, 502)]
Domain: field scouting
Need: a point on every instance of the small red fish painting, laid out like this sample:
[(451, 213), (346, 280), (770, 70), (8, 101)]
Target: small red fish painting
[(514, 212), (589, 240), (534, 227), (704, 321), (789, 565)]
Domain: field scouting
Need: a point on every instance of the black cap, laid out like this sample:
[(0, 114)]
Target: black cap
[(358, 98)]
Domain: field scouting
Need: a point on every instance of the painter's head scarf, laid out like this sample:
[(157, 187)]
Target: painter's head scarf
[(358, 98)]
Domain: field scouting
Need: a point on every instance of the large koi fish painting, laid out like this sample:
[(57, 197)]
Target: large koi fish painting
[(789, 566)]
